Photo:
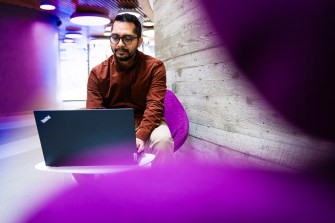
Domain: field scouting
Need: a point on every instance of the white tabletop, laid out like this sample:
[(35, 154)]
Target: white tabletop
[(145, 161)]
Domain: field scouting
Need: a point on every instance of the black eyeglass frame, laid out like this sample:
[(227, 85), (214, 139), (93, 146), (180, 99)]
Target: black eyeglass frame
[(124, 40)]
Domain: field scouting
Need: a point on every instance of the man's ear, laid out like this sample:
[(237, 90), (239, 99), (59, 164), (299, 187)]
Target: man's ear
[(140, 41)]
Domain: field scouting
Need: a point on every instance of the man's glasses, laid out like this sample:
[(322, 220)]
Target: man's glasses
[(126, 39)]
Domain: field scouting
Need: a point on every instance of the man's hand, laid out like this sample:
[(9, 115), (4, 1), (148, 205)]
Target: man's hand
[(139, 145)]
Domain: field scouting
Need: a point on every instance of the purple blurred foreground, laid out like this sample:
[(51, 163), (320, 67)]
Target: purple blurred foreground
[(286, 48), (192, 193)]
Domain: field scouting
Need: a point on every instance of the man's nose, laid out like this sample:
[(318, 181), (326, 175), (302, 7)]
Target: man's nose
[(121, 42)]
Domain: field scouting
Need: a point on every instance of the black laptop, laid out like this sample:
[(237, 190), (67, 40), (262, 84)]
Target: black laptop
[(87, 137)]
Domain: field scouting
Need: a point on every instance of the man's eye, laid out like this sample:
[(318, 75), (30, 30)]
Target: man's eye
[(115, 37), (128, 37)]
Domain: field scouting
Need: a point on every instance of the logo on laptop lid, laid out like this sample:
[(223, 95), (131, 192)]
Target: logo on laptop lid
[(45, 119)]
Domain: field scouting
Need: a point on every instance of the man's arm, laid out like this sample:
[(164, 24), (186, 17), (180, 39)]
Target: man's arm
[(94, 98), (154, 111)]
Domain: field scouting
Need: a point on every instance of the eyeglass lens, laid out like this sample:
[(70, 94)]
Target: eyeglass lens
[(126, 39)]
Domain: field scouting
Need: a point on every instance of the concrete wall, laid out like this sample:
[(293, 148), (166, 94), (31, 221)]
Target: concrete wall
[(230, 122)]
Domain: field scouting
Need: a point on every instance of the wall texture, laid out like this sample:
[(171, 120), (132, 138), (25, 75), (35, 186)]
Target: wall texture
[(29, 60), (230, 122)]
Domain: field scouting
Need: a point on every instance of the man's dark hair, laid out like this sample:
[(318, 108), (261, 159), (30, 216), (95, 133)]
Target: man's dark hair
[(131, 19)]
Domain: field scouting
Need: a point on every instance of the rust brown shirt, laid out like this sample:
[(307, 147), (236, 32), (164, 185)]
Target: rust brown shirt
[(141, 87)]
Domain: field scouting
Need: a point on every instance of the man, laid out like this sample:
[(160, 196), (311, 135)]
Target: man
[(131, 79)]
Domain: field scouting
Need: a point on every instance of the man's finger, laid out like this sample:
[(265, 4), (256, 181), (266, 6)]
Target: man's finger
[(140, 147)]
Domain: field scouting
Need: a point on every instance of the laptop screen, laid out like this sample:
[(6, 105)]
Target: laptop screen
[(87, 137)]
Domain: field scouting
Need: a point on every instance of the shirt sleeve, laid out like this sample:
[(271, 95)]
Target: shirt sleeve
[(154, 111), (94, 98)]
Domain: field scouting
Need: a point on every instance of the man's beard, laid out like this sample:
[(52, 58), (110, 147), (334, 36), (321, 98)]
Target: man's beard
[(123, 58)]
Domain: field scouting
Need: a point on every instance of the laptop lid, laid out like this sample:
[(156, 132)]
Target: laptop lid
[(87, 137)]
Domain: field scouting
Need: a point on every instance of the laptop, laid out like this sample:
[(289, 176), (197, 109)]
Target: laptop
[(87, 137)]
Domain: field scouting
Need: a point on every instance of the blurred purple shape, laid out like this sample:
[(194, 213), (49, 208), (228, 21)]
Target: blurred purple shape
[(286, 49), (193, 193), (176, 119)]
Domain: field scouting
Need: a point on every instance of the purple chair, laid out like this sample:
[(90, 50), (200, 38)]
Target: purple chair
[(176, 119)]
